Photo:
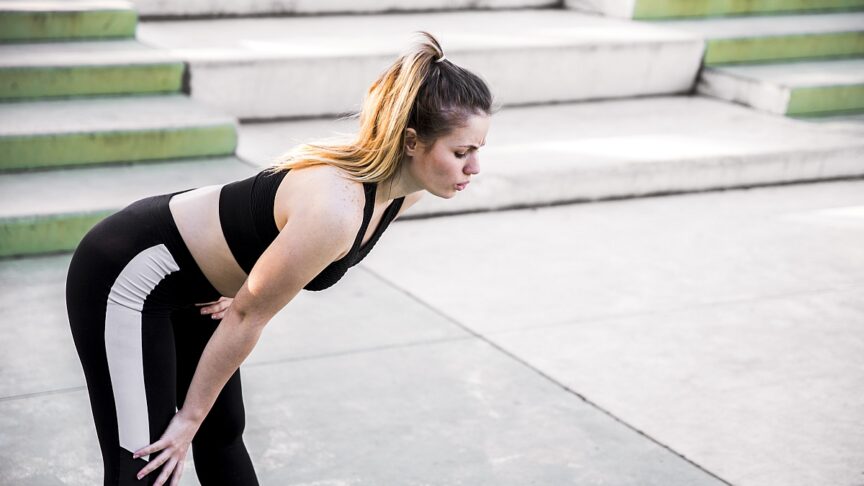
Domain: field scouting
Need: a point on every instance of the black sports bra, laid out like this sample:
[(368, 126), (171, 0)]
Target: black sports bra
[(246, 215)]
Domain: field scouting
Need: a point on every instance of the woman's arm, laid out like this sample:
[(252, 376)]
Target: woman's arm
[(309, 242), (315, 235)]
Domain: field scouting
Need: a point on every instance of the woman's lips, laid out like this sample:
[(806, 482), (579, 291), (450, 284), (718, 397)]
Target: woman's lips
[(462, 185)]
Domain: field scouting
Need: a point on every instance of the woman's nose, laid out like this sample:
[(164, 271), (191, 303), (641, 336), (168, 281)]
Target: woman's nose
[(473, 167)]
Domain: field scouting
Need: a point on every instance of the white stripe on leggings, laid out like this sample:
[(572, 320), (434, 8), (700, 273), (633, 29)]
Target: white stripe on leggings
[(123, 345)]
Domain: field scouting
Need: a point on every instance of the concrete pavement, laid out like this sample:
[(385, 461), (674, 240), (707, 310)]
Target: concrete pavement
[(711, 338)]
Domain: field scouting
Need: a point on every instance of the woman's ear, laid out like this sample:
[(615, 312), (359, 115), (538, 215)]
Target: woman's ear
[(410, 141)]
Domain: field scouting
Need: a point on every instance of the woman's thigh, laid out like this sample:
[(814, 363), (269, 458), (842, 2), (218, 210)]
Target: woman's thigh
[(127, 355)]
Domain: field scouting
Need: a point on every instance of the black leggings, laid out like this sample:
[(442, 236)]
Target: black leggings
[(130, 295)]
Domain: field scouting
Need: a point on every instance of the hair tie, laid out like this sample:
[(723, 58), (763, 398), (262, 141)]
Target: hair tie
[(441, 58)]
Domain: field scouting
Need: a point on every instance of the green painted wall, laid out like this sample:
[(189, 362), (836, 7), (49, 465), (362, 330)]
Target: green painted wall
[(826, 99), (23, 26), (23, 83), (31, 235), (659, 9), (23, 152), (776, 48)]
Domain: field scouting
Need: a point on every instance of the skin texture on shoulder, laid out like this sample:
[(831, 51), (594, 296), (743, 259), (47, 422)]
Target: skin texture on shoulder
[(317, 185)]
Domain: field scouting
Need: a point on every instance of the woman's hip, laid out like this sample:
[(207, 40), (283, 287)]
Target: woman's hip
[(136, 259)]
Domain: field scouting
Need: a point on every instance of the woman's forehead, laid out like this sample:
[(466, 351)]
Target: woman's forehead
[(471, 135)]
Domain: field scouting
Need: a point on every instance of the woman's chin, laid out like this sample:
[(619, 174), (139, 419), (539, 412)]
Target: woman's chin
[(444, 194)]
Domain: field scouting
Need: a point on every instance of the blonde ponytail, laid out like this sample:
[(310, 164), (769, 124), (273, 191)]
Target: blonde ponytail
[(419, 90)]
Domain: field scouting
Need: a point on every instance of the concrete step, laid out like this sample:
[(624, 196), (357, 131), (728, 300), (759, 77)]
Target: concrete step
[(802, 88), (658, 9), (852, 124), (59, 69), (42, 134), (315, 66), (220, 8), (777, 38), (36, 20), (544, 155), (49, 211)]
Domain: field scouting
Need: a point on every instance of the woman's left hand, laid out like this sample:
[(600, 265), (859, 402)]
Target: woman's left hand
[(217, 308), (174, 445)]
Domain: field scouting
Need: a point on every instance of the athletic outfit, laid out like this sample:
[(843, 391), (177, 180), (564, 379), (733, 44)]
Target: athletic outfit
[(130, 295)]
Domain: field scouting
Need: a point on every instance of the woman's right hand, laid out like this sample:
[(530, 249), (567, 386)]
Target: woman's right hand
[(174, 444)]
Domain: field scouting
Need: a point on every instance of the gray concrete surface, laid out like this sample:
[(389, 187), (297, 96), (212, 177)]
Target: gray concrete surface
[(756, 26), (287, 67), (710, 338), (834, 72), (39, 193), (770, 87), (162, 8), (853, 123), (728, 326), (40, 118), (83, 53)]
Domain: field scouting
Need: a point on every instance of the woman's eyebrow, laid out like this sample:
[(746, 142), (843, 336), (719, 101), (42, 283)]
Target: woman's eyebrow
[(471, 146)]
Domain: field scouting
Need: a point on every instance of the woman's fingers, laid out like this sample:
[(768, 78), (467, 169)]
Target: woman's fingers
[(214, 309), (217, 309), (174, 444), (175, 480), (166, 471), (221, 299), (154, 463), (150, 449), (223, 308)]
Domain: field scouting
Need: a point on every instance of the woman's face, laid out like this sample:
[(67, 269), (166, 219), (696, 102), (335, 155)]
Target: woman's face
[(447, 166)]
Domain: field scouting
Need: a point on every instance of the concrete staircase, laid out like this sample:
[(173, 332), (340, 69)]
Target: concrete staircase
[(165, 9), (787, 57), (298, 66), (668, 9), (81, 100), (80, 118)]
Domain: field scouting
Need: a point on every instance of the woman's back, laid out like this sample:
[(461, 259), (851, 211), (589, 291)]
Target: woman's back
[(227, 227)]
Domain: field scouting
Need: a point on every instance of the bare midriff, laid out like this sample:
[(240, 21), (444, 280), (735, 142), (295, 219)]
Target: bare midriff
[(196, 214)]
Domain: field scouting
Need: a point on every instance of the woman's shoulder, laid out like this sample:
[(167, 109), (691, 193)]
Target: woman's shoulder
[(323, 189), (325, 184)]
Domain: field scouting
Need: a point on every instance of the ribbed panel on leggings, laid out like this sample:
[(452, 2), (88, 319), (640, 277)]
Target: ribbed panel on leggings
[(123, 343)]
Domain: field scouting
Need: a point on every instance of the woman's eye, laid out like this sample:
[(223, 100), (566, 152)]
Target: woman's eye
[(460, 155)]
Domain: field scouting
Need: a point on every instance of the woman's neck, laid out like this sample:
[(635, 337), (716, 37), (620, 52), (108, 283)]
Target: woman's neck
[(398, 185)]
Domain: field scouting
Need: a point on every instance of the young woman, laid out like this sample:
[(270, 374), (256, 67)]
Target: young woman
[(137, 279)]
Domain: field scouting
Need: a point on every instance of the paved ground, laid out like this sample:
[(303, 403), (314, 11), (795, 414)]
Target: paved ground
[(713, 338)]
